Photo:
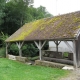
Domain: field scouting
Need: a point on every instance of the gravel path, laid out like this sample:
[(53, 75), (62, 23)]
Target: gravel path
[(75, 75)]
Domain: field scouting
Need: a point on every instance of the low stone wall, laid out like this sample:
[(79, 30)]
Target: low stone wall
[(18, 58), (21, 59), (49, 64), (12, 57)]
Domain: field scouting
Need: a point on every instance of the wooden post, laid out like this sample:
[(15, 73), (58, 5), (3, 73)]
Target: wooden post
[(7, 44), (56, 46), (74, 54), (73, 49), (40, 49), (69, 46), (20, 46), (40, 46), (20, 52), (57, 43)]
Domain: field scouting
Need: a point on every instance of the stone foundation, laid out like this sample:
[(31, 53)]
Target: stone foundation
[(49, 64), (18, 58), (21, 59)]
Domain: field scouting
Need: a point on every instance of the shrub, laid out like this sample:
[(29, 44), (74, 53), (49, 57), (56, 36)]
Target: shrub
[(3, 37), (14, 50), (29, 49), (2, 52)]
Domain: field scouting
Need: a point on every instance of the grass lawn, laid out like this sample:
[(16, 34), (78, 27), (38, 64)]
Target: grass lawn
[(13, 70)]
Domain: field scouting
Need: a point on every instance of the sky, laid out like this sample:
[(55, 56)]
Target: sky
[(57, 7)]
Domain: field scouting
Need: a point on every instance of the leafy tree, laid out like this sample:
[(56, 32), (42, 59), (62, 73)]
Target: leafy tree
[(18, 12), (2, 7), (42, 12), (15, 11), (3, 37), (36, 13)]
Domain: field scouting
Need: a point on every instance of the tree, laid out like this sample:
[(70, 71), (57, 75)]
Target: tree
[(42, 13), (37, 13), (3, 37), (2, 6), (15, 11), (18, 12)]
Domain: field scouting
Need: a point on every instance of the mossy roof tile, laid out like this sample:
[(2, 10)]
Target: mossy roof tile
[(58, 27)]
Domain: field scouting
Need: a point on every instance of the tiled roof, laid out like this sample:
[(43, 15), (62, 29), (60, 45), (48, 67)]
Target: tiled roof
[(58, 27)]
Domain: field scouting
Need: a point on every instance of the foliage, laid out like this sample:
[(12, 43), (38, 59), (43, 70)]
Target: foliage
[(13, 70), (65, 54), (3, 37), (18, 12), (29, 50), (13, 50), (2, 7), (37, 13), (13, 14), (15, 11), (2, 52)]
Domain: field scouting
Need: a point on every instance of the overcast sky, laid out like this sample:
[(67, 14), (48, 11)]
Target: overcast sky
[(56, 7)]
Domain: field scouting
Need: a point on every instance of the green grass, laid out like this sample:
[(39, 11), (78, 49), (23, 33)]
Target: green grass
[(33, 58), (13, 70), (65, 54), (2, 52)]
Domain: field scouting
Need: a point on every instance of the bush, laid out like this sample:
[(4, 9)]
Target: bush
[(2, 52), (29, 50), (14, 50), (3, 37)]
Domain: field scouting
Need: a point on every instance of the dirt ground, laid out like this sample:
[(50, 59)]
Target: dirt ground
[(74, 75)]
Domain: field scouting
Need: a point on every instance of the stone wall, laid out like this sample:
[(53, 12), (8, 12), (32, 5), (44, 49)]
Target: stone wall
[(18, 58), (49, 64)]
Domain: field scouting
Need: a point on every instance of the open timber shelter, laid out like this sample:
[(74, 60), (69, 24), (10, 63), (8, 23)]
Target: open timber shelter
[(64, 27)]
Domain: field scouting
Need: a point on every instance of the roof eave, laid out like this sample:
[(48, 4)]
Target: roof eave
[(56, 39)]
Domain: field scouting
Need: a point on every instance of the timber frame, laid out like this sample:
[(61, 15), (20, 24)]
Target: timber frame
[(59, 28), (40, 45)]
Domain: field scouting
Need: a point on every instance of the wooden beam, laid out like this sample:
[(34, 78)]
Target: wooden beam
[(57, 43), (36, 44), (56, 46), (73, 49), (19, 44), (43, 44), (74, 54), (58, 60), (22, 43), (40, 46), (69, 46)]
